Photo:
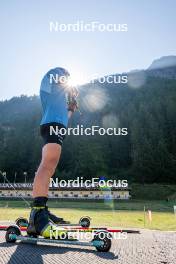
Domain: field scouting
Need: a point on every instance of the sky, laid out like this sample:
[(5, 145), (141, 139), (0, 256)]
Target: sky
[(29, 49)]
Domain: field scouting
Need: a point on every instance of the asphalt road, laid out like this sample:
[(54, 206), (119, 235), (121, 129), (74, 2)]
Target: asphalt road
[(149, 247)]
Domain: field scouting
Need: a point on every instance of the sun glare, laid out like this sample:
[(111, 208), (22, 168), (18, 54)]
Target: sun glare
[(76, 79)]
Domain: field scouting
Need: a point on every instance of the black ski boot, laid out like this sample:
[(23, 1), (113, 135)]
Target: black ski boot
[(55, 219), (39, 221), (40, 225)]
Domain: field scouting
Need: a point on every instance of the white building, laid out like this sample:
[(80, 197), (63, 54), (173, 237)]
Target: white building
[(25, 190)]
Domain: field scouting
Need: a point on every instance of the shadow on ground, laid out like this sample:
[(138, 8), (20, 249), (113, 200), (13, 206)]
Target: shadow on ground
[(27, 253)]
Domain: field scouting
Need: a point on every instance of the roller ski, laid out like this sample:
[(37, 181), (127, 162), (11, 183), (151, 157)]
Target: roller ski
[(41, 229), (101, 241)]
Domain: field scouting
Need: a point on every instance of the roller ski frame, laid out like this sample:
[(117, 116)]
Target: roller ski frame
[(101, 239)]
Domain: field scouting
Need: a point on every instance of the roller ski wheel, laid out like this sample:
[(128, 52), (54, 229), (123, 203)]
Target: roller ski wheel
[(85, 221), (12, 230), (21, 222), (106, 245)]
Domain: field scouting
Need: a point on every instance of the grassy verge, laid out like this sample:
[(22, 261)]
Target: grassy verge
[(125, 214), (132, 205)]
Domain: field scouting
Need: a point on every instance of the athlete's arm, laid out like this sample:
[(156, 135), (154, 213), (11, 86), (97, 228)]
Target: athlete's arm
[(71, 109), (70, 113)]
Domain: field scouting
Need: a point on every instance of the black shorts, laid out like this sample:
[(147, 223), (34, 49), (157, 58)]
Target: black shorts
[(51, 133)]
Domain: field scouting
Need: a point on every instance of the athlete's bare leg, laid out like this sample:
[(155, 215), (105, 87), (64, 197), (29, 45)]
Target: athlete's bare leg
[(50, 158)]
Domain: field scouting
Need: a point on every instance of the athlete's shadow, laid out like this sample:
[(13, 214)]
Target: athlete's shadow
[(26, 253)]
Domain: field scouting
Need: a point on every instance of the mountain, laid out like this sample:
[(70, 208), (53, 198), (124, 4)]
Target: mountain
[(165, 67), (163, 62)]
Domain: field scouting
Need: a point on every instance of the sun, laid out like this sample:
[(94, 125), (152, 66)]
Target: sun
[(76, 79)]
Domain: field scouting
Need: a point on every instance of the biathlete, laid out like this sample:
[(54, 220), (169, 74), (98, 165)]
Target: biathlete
[(56, 112)]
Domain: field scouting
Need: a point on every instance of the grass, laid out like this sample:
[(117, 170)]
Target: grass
[(125, 214), (132, 205)]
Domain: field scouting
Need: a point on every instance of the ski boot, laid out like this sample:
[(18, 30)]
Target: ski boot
[(55, 219), (40, 225)]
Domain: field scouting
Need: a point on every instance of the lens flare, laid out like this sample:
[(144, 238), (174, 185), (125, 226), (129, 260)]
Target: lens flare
[(110, 120), (107, 194), (95, 100), (136, 79)]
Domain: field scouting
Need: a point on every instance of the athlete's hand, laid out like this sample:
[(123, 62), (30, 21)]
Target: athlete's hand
[(72, 107), (74, 92), (72, 99)]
